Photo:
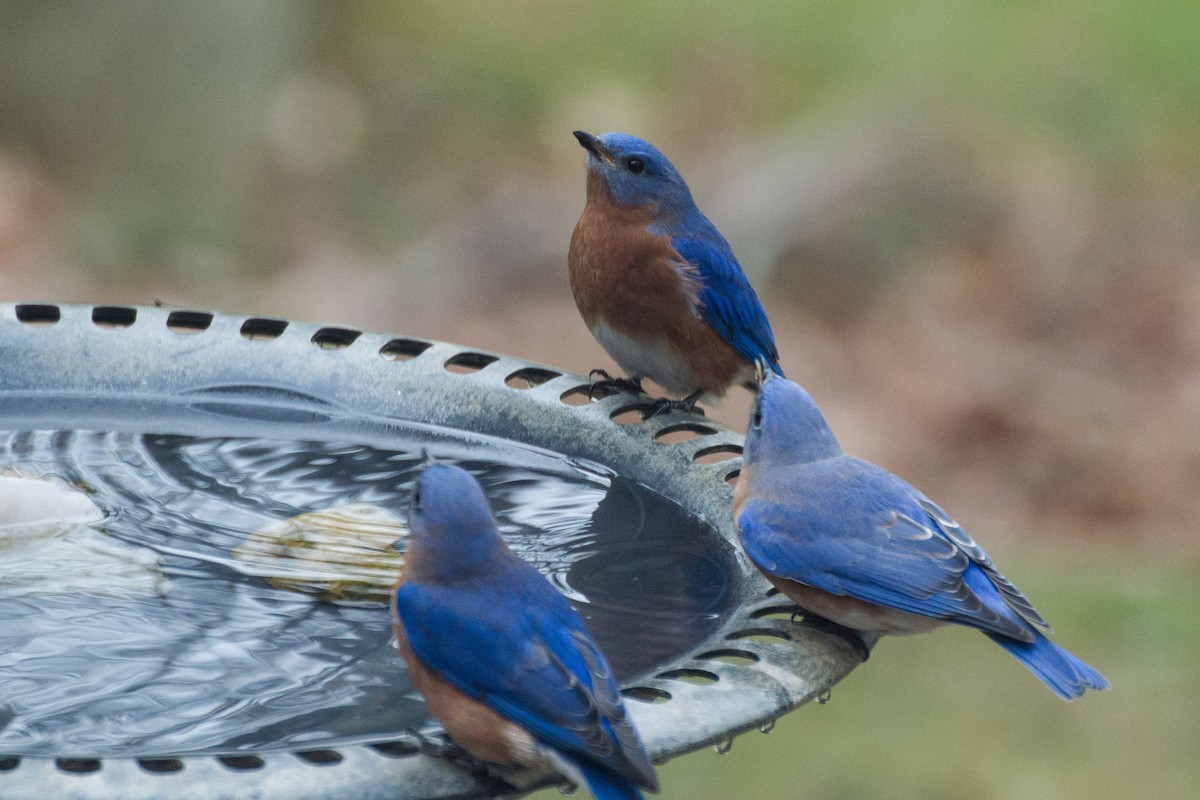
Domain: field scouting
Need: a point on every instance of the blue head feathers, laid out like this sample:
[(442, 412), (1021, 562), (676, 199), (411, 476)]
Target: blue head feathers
[(449, 516), (786, 425), (635, 172)]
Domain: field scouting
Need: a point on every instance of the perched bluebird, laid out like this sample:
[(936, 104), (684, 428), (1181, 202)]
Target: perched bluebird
[(850, 542), (501, 657), (655, 281)]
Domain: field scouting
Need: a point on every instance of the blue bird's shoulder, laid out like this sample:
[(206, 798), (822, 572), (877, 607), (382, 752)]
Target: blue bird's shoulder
[(728, 302)]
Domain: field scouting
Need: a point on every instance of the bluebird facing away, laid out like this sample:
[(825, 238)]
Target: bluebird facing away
[(850, 542), (655, 281), (501, 657)]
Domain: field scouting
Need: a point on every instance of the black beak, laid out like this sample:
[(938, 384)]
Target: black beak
[(593, 146)]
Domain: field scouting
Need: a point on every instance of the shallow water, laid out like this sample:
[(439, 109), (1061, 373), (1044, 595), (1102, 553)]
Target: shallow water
[(222, 662)]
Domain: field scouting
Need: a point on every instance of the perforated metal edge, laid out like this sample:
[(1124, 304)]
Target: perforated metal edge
[(757, 666)]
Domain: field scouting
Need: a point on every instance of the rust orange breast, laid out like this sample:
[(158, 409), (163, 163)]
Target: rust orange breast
[(635, 282), (619, 270)]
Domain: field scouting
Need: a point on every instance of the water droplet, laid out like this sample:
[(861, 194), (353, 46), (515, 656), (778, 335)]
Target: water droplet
[(824, 696), (568, 789), (767, 726), (724, 747)]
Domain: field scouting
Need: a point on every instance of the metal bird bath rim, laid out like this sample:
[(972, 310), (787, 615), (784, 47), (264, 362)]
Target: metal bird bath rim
[(118, 367)]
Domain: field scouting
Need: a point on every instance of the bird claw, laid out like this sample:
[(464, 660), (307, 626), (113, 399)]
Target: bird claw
[(610, 385), (848, 635), (687, 405), (664, 405)]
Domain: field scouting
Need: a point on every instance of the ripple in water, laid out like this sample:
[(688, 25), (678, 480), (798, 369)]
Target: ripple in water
[(223, 663)]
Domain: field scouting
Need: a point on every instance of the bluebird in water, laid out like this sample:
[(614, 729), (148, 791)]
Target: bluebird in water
[(853, 543), (655, 281), (501, 657)]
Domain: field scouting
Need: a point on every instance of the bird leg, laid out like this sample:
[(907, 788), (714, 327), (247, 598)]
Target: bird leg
[(608, 384), (688, 404), (441, 746)]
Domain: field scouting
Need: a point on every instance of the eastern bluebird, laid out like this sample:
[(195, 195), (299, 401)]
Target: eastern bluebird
[(848, 541), (655, 281), (501, 657)]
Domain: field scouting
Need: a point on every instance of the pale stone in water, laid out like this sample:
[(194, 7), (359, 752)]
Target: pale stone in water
[(345, 554)]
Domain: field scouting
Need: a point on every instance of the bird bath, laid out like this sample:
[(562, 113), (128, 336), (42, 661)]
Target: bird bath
[(196, 434)]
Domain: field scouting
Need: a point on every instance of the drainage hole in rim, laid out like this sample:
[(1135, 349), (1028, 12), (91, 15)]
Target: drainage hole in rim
[(632, 414), (37, 314), (335, 338), (777, 612), (700, 677), (729, 655), (189, 322), (468, 362), (319, 757), (262, 328), (403, 349), (646, 694), (397, 749), (583, 395), (530, 377), (717, 453), (760, 634), (113, 316), (674, 434)]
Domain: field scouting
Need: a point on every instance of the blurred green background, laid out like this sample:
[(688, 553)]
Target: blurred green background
[(975, 227)]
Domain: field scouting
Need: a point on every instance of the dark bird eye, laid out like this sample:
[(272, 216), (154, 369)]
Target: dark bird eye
[(756, 418), (416, 495), (636, 166)]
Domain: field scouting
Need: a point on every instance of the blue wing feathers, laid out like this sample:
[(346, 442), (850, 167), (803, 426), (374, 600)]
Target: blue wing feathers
[(728, 302)]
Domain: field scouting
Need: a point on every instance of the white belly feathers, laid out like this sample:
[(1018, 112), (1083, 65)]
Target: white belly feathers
[(654, 359)]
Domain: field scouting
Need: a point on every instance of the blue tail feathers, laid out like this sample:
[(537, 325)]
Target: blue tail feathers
[(1066, 675), (604, 784)]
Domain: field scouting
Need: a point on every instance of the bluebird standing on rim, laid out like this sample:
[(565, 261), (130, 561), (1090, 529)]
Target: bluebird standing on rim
[(501, 657), (853, 543), (655, 281)]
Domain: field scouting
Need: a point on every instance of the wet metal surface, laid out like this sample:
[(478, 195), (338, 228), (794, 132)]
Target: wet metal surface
[(191, 431)]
